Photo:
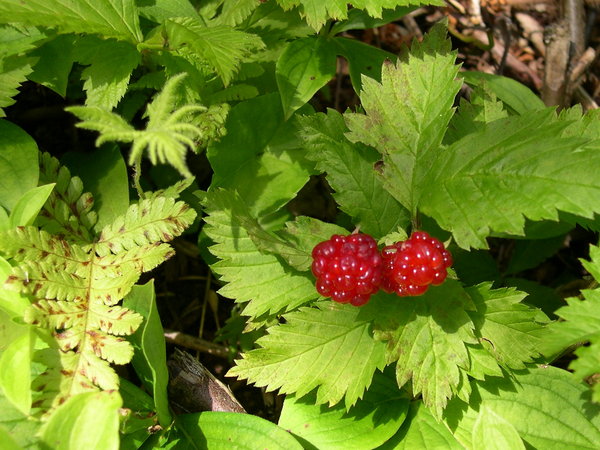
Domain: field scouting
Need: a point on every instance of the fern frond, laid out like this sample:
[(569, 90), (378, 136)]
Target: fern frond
[(68, 210), (170, 130), (172, 191), (147, 222)]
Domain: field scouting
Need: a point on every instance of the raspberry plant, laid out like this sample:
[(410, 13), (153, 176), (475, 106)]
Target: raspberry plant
[(468, 361)]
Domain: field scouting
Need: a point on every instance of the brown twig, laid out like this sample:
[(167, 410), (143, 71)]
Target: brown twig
[(194, 343)]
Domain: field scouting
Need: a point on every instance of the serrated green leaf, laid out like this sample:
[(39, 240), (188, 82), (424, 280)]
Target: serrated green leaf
[(527, 254), (408, 112), (150, 361), (18, 39), (350, 171), (263, 280), (517, 167), (221, 46), (234, 12), (18, 164), (545, 405), (110, 18), (110, 64), (421, 430), (482, 363), (304, 67), (368, 424), (328, 348), (492, 432), (13, 73), (159, 10), (89, 421), (260, 156), (55, 60), (426, 336), (361, 20), (506, 324), (222, 430)]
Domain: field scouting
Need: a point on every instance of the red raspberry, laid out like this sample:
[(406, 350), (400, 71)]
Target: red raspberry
[(409, 267), (348, 268)]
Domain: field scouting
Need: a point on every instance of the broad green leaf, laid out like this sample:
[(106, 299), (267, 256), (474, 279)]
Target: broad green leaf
[(363, 59), (159, 10), (368, 424), (104, 174), (304, 67), (16, 381), (87, 421), (221, 46), (504, 325), (361, 20), (110, 64), (263, 280), (29, 206), (234, 12), (18, 164), (20, 428), (426, 337), (327, 347), (474, 266), (527, 254), (13, 73), (421, 430), (492, 432), (516, 167), (55, 60), (8, 443), (150, 360), (260, 156), (110, 18), (516, 95), (545, 405), (408, 112), (350, 170), (539, 296), (19, 39), (225, 430)]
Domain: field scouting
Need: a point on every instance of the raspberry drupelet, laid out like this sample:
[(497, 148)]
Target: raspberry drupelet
[(411, 266), (348, 268)]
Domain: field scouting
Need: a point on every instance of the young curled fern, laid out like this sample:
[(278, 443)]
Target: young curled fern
[(76, 284), (170, 130)]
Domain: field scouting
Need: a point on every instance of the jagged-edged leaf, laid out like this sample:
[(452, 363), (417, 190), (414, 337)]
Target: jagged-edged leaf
[(236, 92), (262, 279), (159, 10), (492, 431), (110, 64), (221, 46), (547, 406), (426, 336), (18, 39), (408, 112), (327, 347), (68, 210), (506, 327), (261, 155), (234, 12), (146, 222), (350, 170), (55, 60), (109, 18), (13, 72), (482, 363), (517, 167)]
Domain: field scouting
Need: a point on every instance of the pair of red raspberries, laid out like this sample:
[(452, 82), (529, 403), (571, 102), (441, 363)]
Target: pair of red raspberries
[(349, 269)]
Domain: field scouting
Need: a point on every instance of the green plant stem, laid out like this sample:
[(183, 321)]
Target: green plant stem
[(137, 172)]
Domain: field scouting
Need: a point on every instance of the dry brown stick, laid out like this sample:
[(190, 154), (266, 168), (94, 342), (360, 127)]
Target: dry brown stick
[(581, 65), (194, 343), (533, 31), (554, 92)]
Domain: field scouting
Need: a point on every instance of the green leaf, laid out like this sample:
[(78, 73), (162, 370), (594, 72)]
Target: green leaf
[(426, 336), (13, 73), (328, 348), (421, 430), (263, 280), (18, 164), (516, 167), (89, 421), (260, 156), (545, 405), (150, 360), (408, 112), (104, 173), (361, 20), (20, 428), (16, 382), (363, 59), (222, 430), (505, 326), (492, 432), (304, 67), (29, 206), (368, 424), (19, 39), (159, 10), (8, 442), (234, 12), (110, 64), (110, 18), (516, 95), (528, 254), (351, 173), (55, 60), (221, 46)]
